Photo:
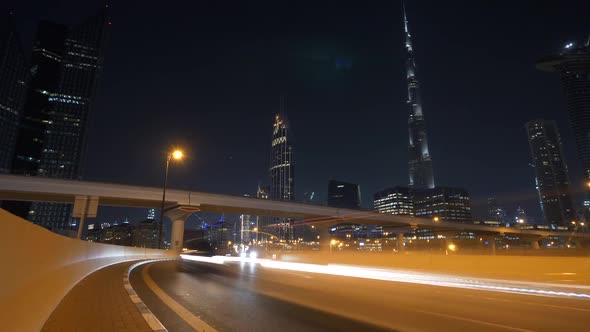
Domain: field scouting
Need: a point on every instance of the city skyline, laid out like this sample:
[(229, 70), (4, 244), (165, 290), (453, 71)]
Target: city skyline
[(206, 168)]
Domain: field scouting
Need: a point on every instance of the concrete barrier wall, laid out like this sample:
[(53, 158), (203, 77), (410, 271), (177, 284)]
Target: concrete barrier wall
[(38, 268)]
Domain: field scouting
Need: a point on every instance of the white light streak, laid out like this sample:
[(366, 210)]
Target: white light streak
[(506, 286)]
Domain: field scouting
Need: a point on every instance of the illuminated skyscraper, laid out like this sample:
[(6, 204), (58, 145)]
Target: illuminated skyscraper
[(419, 163), (65, 68), (282, 171), (551, 172), (13, 79), (573, 66)]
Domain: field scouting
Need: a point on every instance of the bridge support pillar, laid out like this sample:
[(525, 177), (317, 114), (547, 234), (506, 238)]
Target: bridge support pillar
[(178, 217), (324, 237), (535, 244), (399, 237), (177, 235), (492, 243)]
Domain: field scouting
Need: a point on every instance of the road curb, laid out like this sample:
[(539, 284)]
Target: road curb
[(145, 312)]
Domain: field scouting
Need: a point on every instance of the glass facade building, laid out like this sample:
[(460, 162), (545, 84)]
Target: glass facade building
[(65, 68), (344, 195), (419, 161), (573, 66), (551, 171), (13, 87)]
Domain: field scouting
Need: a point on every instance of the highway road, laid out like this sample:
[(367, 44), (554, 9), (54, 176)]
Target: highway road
[(249, 297)]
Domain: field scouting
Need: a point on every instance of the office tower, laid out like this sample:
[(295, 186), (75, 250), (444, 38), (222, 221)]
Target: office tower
[(344, 195), (396, 200), (445, 203), (551, 171), (13, 81), (246, 228), (419, 163), (146, 233), (282, 171), (495, 211), (65, 68), (520, 216), (263, 192), (151, 215), (573, 66)]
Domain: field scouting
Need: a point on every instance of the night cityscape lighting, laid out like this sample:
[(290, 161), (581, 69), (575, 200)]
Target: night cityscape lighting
[(148, 155)]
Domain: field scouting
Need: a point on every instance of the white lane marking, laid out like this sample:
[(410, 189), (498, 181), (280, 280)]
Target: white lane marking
[(145, 312), (475, 321), (192, 320)]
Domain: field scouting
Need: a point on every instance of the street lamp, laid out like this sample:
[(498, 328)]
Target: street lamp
[(176, 155)]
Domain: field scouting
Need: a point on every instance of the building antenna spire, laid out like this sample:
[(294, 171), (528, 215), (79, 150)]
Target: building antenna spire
[(406, 29)]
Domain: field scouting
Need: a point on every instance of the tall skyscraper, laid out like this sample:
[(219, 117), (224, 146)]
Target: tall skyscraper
[(344, 195), (419, 163), (65, 67), (573, 66), (551, 172), (13, 81), (282, 170)]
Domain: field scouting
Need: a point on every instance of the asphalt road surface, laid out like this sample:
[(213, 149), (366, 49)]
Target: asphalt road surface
[(249, 297)]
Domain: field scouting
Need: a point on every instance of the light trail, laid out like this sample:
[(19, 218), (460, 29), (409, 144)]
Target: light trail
[(506, 286)]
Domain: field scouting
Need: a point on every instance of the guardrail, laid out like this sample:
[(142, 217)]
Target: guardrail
[(40, 267)]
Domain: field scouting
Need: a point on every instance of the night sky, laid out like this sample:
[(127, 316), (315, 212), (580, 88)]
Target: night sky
[(208, 76)]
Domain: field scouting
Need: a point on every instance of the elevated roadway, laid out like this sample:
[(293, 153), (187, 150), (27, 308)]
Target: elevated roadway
[(181, 203)]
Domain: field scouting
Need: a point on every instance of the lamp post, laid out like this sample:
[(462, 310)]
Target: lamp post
[(176, 155)]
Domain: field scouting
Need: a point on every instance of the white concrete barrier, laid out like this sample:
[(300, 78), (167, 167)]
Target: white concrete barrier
[(38, 268)]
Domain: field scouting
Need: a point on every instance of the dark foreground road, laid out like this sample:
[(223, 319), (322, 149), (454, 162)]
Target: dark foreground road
[(247, 297)]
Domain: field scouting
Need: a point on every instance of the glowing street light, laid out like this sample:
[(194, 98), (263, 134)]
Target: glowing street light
[(174, 155), (333, 242), (177, 155), (452, 247), (436, 219)]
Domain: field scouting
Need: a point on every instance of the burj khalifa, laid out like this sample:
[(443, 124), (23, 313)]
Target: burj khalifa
[(419, 161)]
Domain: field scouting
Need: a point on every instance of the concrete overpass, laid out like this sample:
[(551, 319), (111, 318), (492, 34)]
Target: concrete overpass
[(181, 203)]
